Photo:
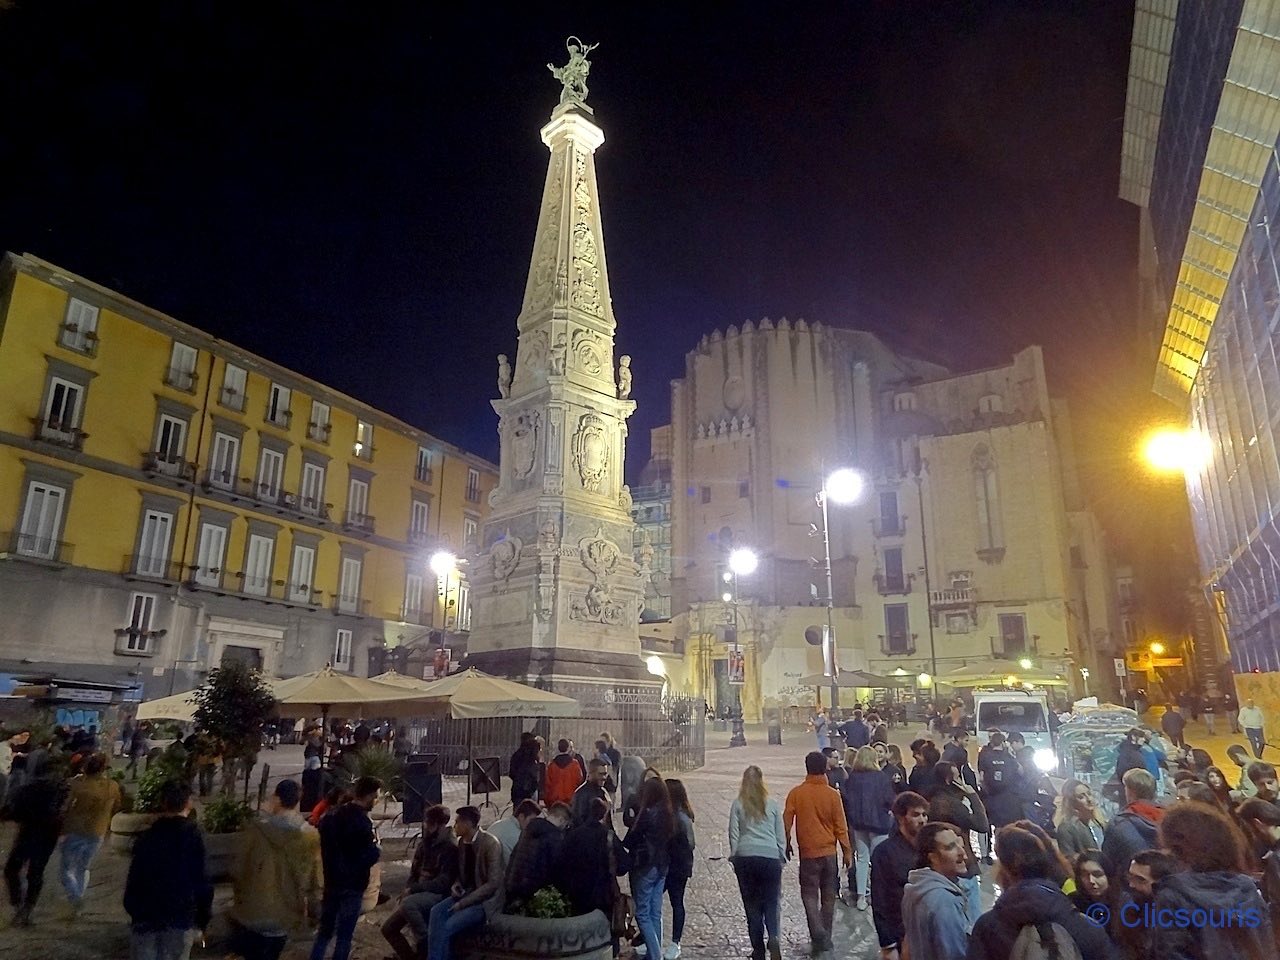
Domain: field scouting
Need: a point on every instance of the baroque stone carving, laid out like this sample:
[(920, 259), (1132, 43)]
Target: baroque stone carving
[(573, 75), (533, 353), (549, 535), (591, 451), (553, 486), (587, 350), (624, 377), (601, 557), (586, 255), (543, 289), (504, 376), (524, 443), (558, 350), (504, 556)]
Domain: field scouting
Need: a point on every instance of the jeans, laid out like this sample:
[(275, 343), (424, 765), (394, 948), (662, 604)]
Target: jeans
[(864, 844), (760, 884), (205, 774), (170, 944), (33, 851), (675, 893), (78, 852), (339, 912), (446, 923), (258, 946), (646, 890), (972, 887), (414, 912), (1256, 740), (1208, 722), (818, 894)]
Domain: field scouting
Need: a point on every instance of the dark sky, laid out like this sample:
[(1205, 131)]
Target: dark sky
[(352, 189)]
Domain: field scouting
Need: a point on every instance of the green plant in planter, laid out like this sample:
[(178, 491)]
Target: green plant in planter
[(370, 762), (169, 767), (225, 814), (231, 707), (547, 903)]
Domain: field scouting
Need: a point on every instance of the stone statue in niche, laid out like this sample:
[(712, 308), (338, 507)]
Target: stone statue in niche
[(524, 444), (504, 376), (504, 556), (549, 534), (591, 451), (558, 351), (624, 377), (533, 355)]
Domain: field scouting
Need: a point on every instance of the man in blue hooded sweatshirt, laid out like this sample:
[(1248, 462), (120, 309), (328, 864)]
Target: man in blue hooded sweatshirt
[(934, 915)]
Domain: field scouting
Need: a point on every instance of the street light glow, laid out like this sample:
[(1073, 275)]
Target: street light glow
[(743, 561), (1157, 648), (727, 597), (1025, 663), (1171, 450), (844, 486), (443, 563)]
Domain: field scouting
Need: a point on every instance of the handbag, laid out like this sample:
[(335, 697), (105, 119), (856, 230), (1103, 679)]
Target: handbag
[(622, 909)]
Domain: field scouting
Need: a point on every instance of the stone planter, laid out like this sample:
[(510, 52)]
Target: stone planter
[(220, 853), (125, 827), (508, 937)]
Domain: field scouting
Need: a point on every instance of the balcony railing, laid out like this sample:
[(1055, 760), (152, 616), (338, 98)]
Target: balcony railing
[(417, 537), (889, 526), (898, 644), (282, 501), (358, 522), (314, 508), (35, 547), (142, 566), (1014, 646), (472, 494), (64, 434), (71, 337), (232, 399), (278, 418), (169, 466), (413, 615), (319, 432), (184, 380), (888, 584), (422, 473), (350, 606), (954, 597)]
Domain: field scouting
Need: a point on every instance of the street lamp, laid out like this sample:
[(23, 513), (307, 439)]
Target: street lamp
[(1172, 450), (742, 563), (443, 564), (1157, 648), (843, 486)]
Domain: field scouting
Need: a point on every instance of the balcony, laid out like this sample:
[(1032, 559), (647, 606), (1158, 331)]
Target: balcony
[(422, 473), (1015, 646), (141, 566), (265, 495), (313, 507), (319, 432), (358, 523), (184, 380), (136, 642), (162, 464), (29, 546), (418, 537), (888, 584), (472, 494), (278, 418), (232, 399), (84, 342), (954, 597), (59, 432), (350, 606), (223, 480), (414, 615), (898, 644), (889, 526)]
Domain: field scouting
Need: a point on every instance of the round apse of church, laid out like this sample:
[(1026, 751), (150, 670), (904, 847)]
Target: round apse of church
[(735, 393)]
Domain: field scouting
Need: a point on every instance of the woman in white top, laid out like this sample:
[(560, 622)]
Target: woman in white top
[(757, 850)]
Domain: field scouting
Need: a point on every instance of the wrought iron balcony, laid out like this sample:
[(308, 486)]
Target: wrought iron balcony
[(33, 547), (422, 473), (280, 418), (418, 537), (232, 399), (60, 432), (163, 464), (898, 644), (889, 526), (358, 523), (184, 380), (313, 507), (350, 606), (73, 338), (1015, 646), (143, 566), (319, 432), (890, 584)]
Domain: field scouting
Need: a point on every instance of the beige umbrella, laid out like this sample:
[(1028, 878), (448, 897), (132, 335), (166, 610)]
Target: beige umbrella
[(180, 707), (993, 672), (327, 688), (400, 680), (472, 695)]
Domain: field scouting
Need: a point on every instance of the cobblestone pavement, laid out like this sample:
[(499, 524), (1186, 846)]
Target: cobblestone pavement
[(715, 929)]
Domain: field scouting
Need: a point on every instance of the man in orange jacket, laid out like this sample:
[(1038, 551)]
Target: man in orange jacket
[(817, 814)]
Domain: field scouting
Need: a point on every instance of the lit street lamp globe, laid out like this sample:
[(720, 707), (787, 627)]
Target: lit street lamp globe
[(1171, 450), (844, 486), (743, 561), (443, 563)]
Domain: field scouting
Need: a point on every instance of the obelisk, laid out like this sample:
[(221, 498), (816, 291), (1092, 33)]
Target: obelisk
[(557, 595)]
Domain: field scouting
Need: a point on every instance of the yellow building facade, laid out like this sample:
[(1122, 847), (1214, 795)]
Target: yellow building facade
[(168, 501)]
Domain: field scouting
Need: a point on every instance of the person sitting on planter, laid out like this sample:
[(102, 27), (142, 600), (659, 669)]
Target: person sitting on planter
[(536, 859), (348, 849), (476, 896), (594, 788), (509, 829), (433, 872), (166, 893), (94, 800), (277, 876)]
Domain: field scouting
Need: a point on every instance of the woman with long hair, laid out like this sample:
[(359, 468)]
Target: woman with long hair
[(868, 794), (649, 841), (893, 767), (1092, 871), (757, 850), (1080, 824), (1217, 781), (681, 855)]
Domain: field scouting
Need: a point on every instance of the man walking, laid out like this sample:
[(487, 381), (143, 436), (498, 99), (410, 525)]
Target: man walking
[(348, 849), (431, 876), (1251, 720), (36, 806), (277, 878), (1173, 723), (166, 894), (891, 866), (476, 895), (94, 800), (816, 813)]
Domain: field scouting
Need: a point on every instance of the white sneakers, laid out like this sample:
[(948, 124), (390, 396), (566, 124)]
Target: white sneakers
[(673, 952)]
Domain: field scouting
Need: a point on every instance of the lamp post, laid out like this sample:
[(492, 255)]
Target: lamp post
[(443, 564), (841, 487), (742, 563), (924, 547)]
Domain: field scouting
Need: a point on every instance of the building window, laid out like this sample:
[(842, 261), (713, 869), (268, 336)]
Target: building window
[(342, 650), (1130, 634), (470, 529), (63, 410), (987, 494), (419, 518), (319, 427), (153, 543), (210, 555), (991, 403), (224, 461), (270, 474), (357, 501), (889, 524), (463, 620), (744, 489), (233, 388), (257, 565), (422, 470), (893, 579), (957, 623), (904, 401), (41, 521), (473, 485), (897, 630), (312, 488), (349, 585), (301, 573), (364, 440), (278, 413), (1013, 634), (79, 329), (706, 494), (182, 367), (137, 636), (413, 589), (171, 440)]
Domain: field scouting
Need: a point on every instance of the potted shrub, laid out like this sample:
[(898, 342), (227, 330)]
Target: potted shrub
[(543, 927), (223, 820), (141, 809), (232, 707)]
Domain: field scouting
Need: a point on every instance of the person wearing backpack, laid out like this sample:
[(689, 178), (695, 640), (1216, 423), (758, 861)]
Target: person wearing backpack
[(1033, 919), (563, 777)]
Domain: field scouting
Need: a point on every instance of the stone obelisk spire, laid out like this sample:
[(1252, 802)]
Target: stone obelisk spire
[(556, 592)]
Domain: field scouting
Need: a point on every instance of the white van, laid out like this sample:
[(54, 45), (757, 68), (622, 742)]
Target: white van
[(1017, 711)]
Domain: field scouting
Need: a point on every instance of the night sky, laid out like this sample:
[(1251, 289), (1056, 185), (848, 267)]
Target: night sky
[(351, 189)]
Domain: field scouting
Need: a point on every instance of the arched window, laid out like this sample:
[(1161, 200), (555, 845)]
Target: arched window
[(987, 494)]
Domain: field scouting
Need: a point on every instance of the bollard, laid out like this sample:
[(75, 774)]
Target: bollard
[(262, 784)]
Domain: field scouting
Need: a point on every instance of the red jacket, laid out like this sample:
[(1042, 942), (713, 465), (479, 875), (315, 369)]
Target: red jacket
[(563, 777)]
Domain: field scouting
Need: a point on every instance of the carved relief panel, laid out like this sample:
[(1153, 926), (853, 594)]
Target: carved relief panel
[(591, 447)]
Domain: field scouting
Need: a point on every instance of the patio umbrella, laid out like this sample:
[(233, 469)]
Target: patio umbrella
[(854, 678), (400, 680), (323, 689), (992, 672), (180, 707)]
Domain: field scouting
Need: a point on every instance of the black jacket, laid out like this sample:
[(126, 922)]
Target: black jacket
[(525, 773), (648, 842), (166, 888), (435, 864), (587, 881), (582, 797), (1225, 897), (947, 805), (1036, 901), (535, 861), (347, 847), (891, 861), (867, 796), (37, 806)]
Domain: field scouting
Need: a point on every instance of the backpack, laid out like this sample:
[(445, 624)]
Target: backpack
[(1045, 941)]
